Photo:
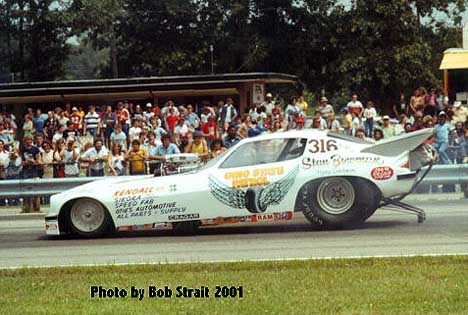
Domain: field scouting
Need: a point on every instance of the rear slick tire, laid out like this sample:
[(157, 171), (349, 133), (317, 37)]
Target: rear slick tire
[(339, 202)]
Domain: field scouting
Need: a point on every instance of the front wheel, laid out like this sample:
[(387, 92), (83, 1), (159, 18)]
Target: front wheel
[(88, 218), (339, 202)]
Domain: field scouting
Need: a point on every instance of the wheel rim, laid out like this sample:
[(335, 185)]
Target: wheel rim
[(87, 215), (335, 195)]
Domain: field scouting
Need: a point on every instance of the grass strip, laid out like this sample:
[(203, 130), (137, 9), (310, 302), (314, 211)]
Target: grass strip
[(419, 285)]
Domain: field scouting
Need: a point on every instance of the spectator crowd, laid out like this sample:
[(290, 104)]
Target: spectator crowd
[(129, 138)]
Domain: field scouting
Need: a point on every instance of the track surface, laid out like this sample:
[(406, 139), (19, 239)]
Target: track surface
[(445, 231)]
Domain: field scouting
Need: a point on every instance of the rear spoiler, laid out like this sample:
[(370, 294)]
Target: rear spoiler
[(399, 144)]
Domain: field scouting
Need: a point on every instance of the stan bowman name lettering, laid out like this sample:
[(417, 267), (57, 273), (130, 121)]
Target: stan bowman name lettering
[(337, 160)]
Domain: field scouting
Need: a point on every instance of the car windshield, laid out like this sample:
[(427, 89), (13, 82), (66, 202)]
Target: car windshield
[(265, 151)]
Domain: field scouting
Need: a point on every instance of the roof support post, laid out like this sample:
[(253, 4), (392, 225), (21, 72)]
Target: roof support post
[(446, 82)]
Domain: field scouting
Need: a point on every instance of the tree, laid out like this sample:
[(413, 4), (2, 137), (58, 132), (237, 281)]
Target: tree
[(36, 34)]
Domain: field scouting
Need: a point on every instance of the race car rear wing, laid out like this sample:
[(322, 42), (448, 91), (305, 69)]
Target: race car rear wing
[(399, 144)]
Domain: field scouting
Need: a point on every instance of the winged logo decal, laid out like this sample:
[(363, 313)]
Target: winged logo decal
[(255, 199)]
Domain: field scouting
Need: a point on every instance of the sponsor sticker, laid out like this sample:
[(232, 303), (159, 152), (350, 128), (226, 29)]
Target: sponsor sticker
[(188, 216), (253, 178), (382, 173), (281, 216)]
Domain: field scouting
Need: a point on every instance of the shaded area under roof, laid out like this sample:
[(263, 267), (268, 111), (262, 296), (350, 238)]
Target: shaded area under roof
[(82, 90)]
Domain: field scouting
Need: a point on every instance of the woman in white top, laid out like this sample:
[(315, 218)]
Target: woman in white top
[(333, 124), (47, 158), (369, 113), (117, 160), (59, 166)]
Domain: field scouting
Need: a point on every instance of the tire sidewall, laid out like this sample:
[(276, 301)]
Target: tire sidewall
[(364, 205), (101, 230)]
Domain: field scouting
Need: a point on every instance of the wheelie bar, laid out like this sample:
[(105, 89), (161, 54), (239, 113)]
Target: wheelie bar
[(397, 205)]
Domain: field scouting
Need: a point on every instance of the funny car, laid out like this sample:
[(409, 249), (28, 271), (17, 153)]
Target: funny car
[(337, 181)]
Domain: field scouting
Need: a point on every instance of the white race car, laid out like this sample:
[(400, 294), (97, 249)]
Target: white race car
[(337, 181)]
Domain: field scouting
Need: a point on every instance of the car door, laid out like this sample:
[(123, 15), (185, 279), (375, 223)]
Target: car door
[(258, 177)]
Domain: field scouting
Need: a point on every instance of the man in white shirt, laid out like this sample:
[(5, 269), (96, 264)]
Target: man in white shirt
[(253, 112), (387, 129), (165, 111), (92, 123), (293, 111), (369, 114), (206, 114), (4, 160), (96, 157), (459, 112), (181, 129), (269, 104), (134, 132), (355, 106), (71, 156), (325, 108), (229, 112), (148, 113)]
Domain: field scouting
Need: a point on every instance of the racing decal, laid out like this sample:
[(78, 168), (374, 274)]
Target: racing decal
[(280, 216), (322, 146), (276, 216), (337, 160), (188, 216), (258, 177), (255, 199), (137, 191), (332, 171), (52, 227), (141, 206), (145, 227), (382, 173)]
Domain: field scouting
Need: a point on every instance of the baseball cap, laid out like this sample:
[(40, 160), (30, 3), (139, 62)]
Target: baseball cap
[(148, 105), (386, 117), (269, 95), (324, 99), (442, 113), (456, 104), (74, 109), (197, 134)]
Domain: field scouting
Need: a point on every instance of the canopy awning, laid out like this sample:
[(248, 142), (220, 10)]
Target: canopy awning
[(454, 59)]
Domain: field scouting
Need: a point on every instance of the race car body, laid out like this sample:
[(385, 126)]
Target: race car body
[(336, 180)]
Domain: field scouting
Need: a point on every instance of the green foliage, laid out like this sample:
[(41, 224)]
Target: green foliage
[(374, 48), (34, 34)]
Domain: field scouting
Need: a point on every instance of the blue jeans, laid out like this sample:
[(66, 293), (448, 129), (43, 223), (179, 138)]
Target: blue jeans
[(96, 173), (441, 148), (459, 153), (92, 132), (369, 127)]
